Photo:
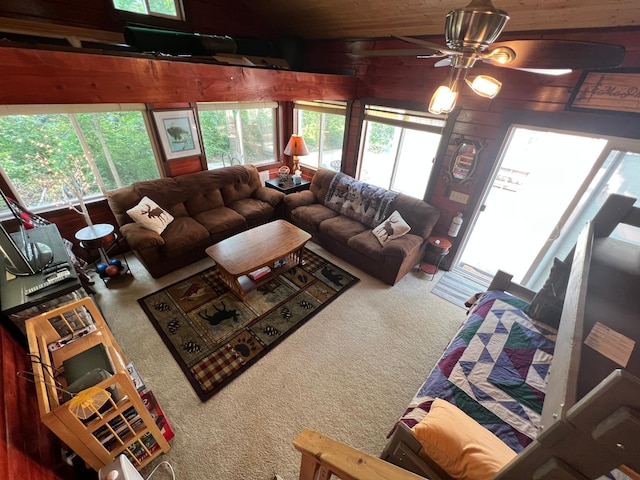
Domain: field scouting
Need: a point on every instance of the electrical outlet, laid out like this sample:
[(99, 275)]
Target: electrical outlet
[(459, 197)]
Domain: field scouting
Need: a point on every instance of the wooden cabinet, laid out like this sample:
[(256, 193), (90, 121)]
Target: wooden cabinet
[(122, 424)]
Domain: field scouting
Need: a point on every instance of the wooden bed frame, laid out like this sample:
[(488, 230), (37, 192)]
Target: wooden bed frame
[(591, 413)]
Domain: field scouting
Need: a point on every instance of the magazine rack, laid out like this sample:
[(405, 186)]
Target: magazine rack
[(123, 425)]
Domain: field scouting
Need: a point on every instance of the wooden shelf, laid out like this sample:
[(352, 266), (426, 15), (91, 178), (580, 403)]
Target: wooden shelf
[(124, 427)]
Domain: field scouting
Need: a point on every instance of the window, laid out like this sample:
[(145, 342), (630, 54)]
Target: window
[(159, 8), (238, 133), (321, 124), (47, 152), (399, 149)]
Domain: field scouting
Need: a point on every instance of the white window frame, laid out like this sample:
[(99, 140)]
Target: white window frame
[(178, 16), (323, 107), (422, 121), (210, 106), (71, 109)]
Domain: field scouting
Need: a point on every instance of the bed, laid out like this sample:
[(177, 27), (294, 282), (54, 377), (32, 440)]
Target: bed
[(568, 413)]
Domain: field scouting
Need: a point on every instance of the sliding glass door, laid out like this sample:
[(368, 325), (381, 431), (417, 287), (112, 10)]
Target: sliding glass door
[(548, 185)]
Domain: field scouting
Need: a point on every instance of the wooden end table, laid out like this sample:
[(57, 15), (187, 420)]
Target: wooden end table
[(288, 186), (261, 246)]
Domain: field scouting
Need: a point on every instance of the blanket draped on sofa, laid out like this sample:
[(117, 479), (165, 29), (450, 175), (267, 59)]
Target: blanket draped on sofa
[(358, 200)]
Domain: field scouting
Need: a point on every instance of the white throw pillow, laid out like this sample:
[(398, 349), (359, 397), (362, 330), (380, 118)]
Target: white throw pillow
[(150, 215), (392, 227)]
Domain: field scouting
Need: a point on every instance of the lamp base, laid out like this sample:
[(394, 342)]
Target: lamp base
[(296, 163)]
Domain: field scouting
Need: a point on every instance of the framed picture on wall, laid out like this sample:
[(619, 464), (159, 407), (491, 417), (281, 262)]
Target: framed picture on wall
[(178, 133)]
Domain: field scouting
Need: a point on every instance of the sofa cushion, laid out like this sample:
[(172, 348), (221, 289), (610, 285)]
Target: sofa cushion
[(204, 201), (341, 228), (182, 234), (391, 228), (312, 215), (459, 445), (221, 219), (403, 247), (252, 209), (150, 215), (367, 244)]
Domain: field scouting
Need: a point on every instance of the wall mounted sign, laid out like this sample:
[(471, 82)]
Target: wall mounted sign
[(611, 91)]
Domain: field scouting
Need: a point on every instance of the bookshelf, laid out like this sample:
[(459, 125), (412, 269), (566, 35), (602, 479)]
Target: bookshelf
[(123, 424)]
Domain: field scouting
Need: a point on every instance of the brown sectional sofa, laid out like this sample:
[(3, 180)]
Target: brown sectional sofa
[(354, 241), (207, 207)]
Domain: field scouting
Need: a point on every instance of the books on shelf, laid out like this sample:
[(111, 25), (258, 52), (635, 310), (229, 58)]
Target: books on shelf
[(135, 377), (149, 401), (259, 273)]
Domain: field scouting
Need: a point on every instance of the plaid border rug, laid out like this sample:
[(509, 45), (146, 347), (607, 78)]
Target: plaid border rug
[(214, 336)]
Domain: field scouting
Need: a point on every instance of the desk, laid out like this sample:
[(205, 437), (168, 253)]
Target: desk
[(16, 305)]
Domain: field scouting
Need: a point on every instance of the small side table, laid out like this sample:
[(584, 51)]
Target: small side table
[(102, 238), (437, 249), (288, 186)]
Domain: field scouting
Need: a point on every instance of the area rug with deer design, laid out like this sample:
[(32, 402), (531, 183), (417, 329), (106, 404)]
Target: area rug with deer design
[(214, 336)]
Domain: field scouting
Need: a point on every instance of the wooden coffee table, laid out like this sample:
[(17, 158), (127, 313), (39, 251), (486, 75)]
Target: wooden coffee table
[(262, 246)]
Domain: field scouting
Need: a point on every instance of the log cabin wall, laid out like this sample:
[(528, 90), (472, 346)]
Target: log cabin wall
[(411, 81), (34, 76)]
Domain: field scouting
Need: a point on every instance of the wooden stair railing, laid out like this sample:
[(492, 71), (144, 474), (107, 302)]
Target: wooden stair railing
[(323, 457)]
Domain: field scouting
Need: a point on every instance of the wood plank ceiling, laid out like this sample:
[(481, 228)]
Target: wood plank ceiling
[(352, 19)]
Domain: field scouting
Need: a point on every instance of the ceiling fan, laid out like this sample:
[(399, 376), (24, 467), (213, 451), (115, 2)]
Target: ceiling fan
[(470, 33)]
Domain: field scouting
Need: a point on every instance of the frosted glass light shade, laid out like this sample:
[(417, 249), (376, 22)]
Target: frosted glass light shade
[(485, 86), (443, 100)]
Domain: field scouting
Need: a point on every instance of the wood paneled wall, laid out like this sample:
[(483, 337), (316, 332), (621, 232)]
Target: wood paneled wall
[(28, 449), (411, 82)]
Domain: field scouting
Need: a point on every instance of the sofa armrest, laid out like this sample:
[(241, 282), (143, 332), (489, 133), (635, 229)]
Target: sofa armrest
[(269, 195), (138, 237), (300, 199)]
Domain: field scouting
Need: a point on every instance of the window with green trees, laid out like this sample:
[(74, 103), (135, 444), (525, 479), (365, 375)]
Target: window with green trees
[(399, 147), (321, 124), (49, 157), (238, 133), (161, 8)]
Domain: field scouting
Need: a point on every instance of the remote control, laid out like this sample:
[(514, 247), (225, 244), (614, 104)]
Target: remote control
[(71, 337), (58, 277)]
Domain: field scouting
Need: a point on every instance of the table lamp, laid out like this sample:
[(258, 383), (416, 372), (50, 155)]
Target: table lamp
[(296, 147)]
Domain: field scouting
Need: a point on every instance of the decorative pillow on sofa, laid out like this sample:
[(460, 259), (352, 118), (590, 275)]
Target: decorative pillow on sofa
[(392, 227), (149, 215), (547, 304), (459, 445)]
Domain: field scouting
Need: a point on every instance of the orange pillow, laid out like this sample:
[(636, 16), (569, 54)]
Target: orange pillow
[(461, 446)]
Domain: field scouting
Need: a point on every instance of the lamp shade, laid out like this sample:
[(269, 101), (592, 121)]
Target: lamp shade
[(485, 86), (296, 146), (443, 100)]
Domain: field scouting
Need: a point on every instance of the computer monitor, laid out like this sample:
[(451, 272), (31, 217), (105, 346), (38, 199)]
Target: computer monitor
[(22, 256)]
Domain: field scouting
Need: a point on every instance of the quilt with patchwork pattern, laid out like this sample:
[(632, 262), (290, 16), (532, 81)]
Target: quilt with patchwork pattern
[(495, 370)]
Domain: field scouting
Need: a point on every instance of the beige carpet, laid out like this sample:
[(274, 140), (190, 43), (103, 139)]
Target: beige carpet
[(348, 373)]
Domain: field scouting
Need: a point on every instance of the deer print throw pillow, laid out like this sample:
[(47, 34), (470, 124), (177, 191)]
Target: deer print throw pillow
[(150, 216), (392, 227)]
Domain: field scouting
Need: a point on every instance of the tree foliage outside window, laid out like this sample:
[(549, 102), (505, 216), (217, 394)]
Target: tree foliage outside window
[(323, 134), (43, 157), (149, 7), (238, 136)]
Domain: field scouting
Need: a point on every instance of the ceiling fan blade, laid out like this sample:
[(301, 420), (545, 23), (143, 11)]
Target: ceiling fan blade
[(424, 43), (445, 62), (398, 52), (558, 54)]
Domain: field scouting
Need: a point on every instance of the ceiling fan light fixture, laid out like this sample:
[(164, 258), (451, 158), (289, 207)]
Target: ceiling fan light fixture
[(443, 100), (475, 26), (501, 55), (485, 86)]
